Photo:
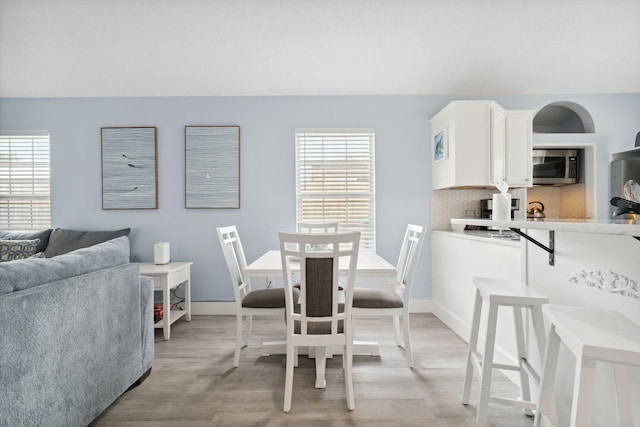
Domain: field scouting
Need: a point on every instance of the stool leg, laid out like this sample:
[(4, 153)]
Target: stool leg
[(538, 330), (622, 394), (548, 376), (583, 391), (473, 343), (487, 367), (525, 390)]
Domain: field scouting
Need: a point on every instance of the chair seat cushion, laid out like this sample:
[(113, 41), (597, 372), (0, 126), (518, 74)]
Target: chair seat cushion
[(375, 298), (267, 298)]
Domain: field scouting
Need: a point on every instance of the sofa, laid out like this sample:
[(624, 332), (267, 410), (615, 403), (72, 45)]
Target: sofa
[(76, 327)]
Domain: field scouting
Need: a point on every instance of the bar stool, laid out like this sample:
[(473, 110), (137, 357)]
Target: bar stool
[(500, 292), (592, 335)]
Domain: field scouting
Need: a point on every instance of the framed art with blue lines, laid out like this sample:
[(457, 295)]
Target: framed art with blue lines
[(212, 167), (129, 168)]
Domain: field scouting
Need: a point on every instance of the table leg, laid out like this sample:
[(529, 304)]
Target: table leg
[(187, 299), (166, 308), (321, 365)]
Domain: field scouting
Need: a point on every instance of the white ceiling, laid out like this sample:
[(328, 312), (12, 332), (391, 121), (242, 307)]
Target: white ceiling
[(82, 48)]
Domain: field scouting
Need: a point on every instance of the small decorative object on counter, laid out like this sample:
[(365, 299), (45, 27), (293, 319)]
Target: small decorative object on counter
[(536, 212)]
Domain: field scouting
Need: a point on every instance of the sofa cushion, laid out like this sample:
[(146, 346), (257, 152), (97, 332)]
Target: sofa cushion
[(17, 249), (43, 235), (27, 273), (63, 241)]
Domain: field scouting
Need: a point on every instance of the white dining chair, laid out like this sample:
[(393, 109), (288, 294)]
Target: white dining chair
[(395, 302), (270, 302), (316, 318), (317, 227)]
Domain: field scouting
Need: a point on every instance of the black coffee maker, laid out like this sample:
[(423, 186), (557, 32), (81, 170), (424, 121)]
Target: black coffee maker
[(486, 207)]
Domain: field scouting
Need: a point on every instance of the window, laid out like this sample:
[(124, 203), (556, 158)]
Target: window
[(335, 180), (25, 201)]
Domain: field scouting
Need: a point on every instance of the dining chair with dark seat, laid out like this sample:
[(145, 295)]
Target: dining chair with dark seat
[(395, 302), (317, 317), (318, 227), (248, 302)]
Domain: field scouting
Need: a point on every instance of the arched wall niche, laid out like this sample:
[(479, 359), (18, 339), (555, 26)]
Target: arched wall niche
[(563, 117)]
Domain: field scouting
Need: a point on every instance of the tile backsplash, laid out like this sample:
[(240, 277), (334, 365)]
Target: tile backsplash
[(559, 202), (458, 203), (567, 201)]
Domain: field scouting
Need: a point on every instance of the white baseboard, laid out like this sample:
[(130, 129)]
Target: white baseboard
[(229, 307), (457, 325)]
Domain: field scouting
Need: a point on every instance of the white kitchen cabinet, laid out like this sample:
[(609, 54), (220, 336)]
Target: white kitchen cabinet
[(476, 143), (518, 148)]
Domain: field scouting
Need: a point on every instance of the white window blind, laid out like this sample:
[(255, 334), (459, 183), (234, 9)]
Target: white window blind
[(335, 180), (25, 201)]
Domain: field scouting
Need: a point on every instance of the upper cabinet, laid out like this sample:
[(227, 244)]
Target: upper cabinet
[(518, 158), (477, 143)]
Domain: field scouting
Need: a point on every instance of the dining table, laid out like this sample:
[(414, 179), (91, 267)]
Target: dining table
[(370, 264)]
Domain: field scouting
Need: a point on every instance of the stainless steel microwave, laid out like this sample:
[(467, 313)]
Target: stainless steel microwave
[(556, 166)]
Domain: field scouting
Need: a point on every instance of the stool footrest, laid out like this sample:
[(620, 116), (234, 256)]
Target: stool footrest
[(532, 372), (506, 367), (512, 402)]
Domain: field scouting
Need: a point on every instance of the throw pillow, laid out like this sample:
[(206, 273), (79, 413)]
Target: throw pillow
[(17, 249), (43, 235), (63, 241)]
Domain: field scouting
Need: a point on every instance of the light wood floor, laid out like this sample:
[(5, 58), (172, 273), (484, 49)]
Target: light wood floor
[(193, 382)]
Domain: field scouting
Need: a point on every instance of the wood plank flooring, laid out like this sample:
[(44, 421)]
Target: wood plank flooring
[(193, 382)]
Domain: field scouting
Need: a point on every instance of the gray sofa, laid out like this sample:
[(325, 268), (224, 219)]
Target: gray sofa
[(76, 331)]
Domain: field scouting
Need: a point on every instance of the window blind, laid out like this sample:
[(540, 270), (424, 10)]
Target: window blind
[(335, 180), (25, 201)]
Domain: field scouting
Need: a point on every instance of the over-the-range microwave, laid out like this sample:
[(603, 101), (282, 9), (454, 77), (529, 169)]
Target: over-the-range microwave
[(556, 166)]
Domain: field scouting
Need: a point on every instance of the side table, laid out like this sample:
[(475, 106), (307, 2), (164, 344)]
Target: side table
[(166, 277)]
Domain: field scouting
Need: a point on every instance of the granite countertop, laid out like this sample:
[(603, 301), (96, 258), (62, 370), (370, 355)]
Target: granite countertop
[(622, 227)]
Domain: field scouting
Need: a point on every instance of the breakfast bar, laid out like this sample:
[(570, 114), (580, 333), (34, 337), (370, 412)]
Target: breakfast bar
[(595, 266), (623, 227)]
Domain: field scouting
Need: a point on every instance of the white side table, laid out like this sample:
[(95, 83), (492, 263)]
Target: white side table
[(167, 277)]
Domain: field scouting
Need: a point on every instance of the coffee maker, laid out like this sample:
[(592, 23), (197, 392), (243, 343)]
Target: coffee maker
[(486, 207)]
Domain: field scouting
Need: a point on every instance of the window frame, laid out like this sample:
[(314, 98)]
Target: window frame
[(25, 180), (356, 184)]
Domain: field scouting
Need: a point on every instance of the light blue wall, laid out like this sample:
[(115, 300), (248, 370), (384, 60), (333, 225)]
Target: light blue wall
[(403, 174)]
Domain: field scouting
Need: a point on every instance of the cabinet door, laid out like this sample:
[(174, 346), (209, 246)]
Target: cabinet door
[(498, 149), (519, 172)]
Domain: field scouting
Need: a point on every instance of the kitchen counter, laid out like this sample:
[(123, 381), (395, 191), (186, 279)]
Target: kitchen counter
[(488, 236), (621, 227)]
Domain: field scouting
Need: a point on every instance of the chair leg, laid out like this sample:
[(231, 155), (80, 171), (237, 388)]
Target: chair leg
[(236, 355), (396, 330), (288, 381), (348, 376), (247, 336), (407, 338)]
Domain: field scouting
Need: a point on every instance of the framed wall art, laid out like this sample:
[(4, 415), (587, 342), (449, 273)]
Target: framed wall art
[(129, 168), (440, 146), (212, 167)]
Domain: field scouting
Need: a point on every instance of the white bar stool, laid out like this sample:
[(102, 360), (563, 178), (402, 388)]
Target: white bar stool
[(591, 335), (500, 292)]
